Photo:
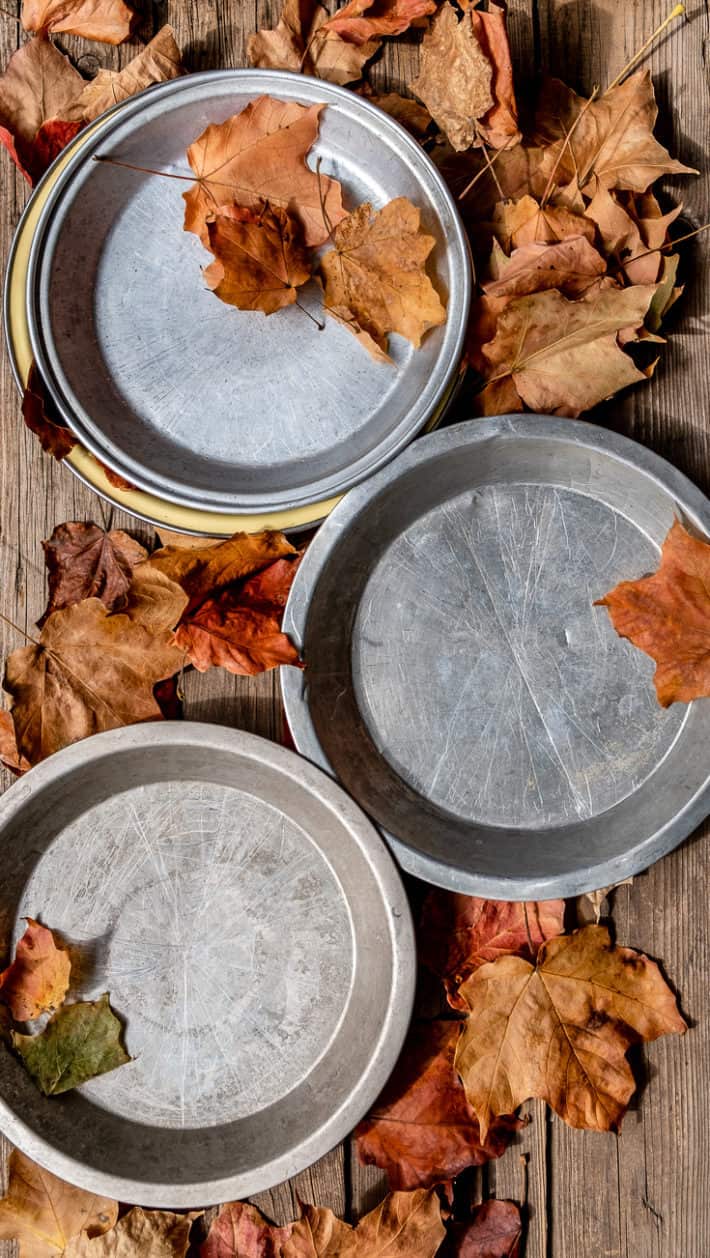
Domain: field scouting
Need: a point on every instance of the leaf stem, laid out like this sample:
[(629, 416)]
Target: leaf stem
[(678, 11), (22, 632), (145, 170), (485, 170), (669, 244)]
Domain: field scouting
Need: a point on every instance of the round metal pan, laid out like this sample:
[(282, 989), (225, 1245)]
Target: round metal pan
[(254, 936), (81, 462), (186, 397), (459, 681)]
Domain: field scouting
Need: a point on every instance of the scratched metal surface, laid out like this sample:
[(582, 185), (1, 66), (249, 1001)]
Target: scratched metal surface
[(462, 685), (254, 936), (187, 397)]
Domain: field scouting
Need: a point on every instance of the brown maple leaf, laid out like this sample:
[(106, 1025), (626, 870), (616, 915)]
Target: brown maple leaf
[(37, 92), (260, 258), (525, 221), (404, 1224), (299, 43), (202, 570), (459, 933), (499, 127), (375, 276), (84, 561), (631, 242), (92, 670), (240, 629), (108, 21), (38, 978), (160, 61), (44, 1214), (560, 1029), (571, 266), (455, 77), (9, 754), (495, 1231), (259, 155), (667, 615), (42, 419), (421, 1130), (362, 20), (139, 1234), (607, 143), (562, 356)]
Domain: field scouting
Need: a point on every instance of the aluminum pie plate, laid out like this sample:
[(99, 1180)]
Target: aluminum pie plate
[(459, 681), (254, 935), (189, 399)]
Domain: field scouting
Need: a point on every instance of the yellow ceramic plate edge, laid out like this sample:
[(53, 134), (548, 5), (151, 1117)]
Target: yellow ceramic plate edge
[(143, 505)]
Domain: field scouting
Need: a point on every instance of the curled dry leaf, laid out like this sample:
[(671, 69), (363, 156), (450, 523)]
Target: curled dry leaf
[(495, 1231), (78, 1043), (108, 21), (459, 933), (139, 1234), (160, 61), (42, 420), (607, 143), (240, 629), (299, 43), (560, 1029), (571, 266), (259, 155), (362, 20), (455, 77), (403, 1225), (589, 905), (9, 753), (621, 238), (375, 276), (667, 615), (38, 978), (202, 570), (84, 561), (38, 88), (260, 258), (44, 1214), (92, 671), (421, 1130), (499, 126), (562, 356)]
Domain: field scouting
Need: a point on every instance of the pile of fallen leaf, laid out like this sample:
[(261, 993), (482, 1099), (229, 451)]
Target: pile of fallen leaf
[(121, 626)]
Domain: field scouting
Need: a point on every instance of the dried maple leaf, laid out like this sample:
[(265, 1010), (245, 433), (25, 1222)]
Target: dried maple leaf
[(455, 77), (495, 1231), (404, 1224), (407, 112), (524, 221), (667, 615), (9, 754), (571, 266), (621, 237), (78, 1043), (108, 21), (421, 1130), (607, 143), (92, 671), (560, 1029), (375, 276), (139, 1234), (299, 43), (42, 420), (259, 155), (469, 176), (499, 126), (562, 356), (38, 978), (459, 933), (260, 258), (361, 20), (160, 61), (202, 570), (84, 561), (37, 90), (44, 1214), (240, 629)]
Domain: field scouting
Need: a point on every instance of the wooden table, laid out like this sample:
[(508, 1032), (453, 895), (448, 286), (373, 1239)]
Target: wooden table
[(646, 1192)]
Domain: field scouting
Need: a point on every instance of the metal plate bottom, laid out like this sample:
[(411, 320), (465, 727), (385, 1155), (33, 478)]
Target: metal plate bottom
[(253, 934), (461, 683)]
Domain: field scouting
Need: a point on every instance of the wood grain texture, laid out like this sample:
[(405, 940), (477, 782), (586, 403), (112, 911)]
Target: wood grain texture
[(642, 1194)]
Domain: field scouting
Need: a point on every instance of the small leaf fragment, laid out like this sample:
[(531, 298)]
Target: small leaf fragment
[(495, 1231), (108, 21), (38, 978), (299, 43), (78, 1043), (361, 20), (160, 61)]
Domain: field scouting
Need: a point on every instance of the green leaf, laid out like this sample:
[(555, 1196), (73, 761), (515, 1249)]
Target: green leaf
[(80, 1042)]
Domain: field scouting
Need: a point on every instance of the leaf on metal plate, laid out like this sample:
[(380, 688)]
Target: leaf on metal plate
[(38, 978), (260, 257), (79, 1042)]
